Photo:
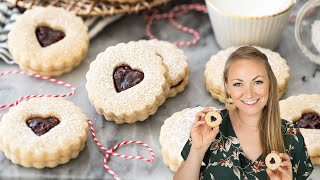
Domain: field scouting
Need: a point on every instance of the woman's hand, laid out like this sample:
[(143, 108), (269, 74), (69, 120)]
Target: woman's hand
[(202, 135), (284, 172)]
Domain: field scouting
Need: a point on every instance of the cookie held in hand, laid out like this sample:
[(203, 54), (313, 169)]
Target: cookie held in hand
[(273, 161)]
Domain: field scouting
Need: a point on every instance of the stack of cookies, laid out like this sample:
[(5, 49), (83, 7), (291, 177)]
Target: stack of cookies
[(304, 111), (128, 82)]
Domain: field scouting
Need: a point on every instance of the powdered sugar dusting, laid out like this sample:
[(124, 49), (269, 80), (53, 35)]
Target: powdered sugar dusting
[(173, 57), (60, 56), (137, 102), (19, 142)]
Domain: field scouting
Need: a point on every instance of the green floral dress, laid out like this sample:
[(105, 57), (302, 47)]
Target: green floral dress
[(226, 160)]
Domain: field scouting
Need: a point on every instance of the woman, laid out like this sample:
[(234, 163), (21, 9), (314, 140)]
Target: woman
[(252, 129)]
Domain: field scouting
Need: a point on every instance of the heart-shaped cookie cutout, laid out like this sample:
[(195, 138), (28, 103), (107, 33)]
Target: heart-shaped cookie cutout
[(47, 36), (309, 120), (40, 126), (124, 77)]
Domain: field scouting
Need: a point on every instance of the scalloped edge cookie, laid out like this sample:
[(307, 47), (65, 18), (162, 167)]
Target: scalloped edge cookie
[(175, 62), (277, 159), (58, 146), (57, 58), (174, 133), (136, 103), (213, 73), (292, 109)]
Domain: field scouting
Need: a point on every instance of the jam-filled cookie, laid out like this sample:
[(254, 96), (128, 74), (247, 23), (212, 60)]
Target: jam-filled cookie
[(43, 132), (127, 82), (175, 61), (214, 72), (304, 111), (48, 41), (174, 134), (273, 161)]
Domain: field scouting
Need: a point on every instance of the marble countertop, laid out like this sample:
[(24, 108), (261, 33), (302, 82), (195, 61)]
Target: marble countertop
[(304, 79)]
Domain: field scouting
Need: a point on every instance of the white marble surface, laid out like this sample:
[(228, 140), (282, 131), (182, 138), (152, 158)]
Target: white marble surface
[(304, 79)]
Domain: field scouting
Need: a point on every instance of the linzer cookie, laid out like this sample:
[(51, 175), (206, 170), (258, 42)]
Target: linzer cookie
[(174, 134), (127, 82), (175, 61), (48, 41), (273, 161), (214, 72), (43, 132), (304, 111)]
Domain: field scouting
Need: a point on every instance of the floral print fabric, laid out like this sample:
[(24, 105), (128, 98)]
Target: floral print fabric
[(225, 158)]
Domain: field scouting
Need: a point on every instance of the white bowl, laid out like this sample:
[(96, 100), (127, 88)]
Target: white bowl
[(254, 24), (307, 30)]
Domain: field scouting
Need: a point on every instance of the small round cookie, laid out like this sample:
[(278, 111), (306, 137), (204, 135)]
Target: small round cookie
[(174, 134), (48, 40), (213, 119), (214, 72), (127, 82), (43, 132), (273, 160), (304, 111), (176, 63)]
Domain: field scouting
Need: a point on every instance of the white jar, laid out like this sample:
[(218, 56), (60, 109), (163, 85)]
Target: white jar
[(248, 22), (307, 30)]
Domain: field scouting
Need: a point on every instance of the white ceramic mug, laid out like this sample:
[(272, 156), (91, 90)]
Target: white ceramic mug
[(233, 29)]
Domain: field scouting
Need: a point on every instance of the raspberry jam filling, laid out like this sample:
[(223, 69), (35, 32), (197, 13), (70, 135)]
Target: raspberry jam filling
[(213, 119), (178, 84), (40, 126), (272, 161), (124, 78), (309, 120), (47, 36)]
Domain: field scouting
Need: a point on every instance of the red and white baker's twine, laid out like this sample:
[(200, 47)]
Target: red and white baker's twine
[(73, 90), (176, 12), (111, 151)]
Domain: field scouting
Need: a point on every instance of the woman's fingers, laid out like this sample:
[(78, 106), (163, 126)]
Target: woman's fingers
[(206, 110), (286, 164), (284, 157), (199, 123), (274, 175), (199, 116), (214, 131), (270, 172)]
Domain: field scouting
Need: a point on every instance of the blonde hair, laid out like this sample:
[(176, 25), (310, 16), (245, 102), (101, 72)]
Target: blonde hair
[(271, 134)]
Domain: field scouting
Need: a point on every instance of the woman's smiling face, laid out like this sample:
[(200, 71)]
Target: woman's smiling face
[(248, 85)]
